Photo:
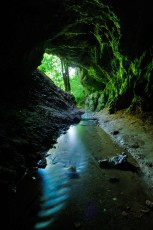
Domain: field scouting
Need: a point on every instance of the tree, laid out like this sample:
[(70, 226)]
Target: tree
[(51, 66), (66, 77), (58, 70)]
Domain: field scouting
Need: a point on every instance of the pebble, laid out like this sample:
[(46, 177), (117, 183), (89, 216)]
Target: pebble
[(124, 213), (77, 224), (33, 178), (145, 210), (149, 203)]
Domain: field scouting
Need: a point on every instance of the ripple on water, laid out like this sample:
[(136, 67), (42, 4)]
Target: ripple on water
[(55, 193), (64, 164)]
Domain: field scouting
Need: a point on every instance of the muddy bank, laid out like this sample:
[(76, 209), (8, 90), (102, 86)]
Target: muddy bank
[(133, 132), (30, 122), (74, 192)]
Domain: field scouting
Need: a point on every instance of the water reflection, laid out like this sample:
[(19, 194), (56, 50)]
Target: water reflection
[(55, 193), (89, 122), (75, 193), (65, 162), (72, 134)]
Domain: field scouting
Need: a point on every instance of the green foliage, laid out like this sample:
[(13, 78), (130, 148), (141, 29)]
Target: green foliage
[(77, 90), (51, 66), (148, 76)]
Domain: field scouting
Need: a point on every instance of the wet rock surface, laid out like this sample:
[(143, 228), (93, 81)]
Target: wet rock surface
[(76, 193), (113, 49), (134, 134), (117, 162), (30, 122)]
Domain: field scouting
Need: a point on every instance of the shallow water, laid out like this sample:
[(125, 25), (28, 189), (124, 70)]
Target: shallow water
[(74, 192)]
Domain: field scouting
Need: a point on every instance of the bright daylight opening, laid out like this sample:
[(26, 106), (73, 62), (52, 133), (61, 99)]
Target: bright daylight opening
[(63, 75), (72, 71)]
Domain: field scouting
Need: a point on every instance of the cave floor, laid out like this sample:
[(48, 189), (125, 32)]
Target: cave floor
[(133, 132), (74, 192)]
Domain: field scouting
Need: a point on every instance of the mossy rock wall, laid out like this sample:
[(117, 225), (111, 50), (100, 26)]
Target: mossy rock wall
[(110, 41)]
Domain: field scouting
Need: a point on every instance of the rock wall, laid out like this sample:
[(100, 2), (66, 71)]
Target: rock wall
[(109, 41), (31, 121)]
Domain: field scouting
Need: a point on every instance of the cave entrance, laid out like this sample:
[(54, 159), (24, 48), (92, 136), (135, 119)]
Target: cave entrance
[(63, 75)]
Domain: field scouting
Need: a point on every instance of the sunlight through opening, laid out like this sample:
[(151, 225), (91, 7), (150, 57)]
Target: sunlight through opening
[(63, 75)]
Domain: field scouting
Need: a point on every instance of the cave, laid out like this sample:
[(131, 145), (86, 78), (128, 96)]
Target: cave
[(110, 43)]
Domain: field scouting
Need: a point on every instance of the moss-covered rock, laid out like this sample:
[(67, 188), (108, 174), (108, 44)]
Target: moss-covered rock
[(91, 102), (110, 42), (30, 125)]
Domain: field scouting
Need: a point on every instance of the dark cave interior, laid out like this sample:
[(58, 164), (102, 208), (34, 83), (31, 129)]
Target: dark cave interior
[(109, 41)]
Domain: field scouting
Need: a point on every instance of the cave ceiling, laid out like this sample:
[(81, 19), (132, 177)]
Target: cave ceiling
[(92, 34), (70, 28)]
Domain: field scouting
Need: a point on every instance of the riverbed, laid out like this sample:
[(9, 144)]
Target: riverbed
[(74, 192)]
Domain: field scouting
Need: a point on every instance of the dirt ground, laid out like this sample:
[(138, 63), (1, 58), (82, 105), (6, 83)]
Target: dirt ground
[(135, 134), (75, 191)]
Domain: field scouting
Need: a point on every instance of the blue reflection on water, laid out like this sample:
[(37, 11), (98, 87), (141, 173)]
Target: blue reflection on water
[(41, 225), (64, 163), (55, 193)]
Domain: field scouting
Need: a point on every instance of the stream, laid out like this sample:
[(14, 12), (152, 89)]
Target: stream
[(74, 192)]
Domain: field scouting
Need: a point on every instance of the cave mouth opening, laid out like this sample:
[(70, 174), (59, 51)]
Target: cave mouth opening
[(64, 75)]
